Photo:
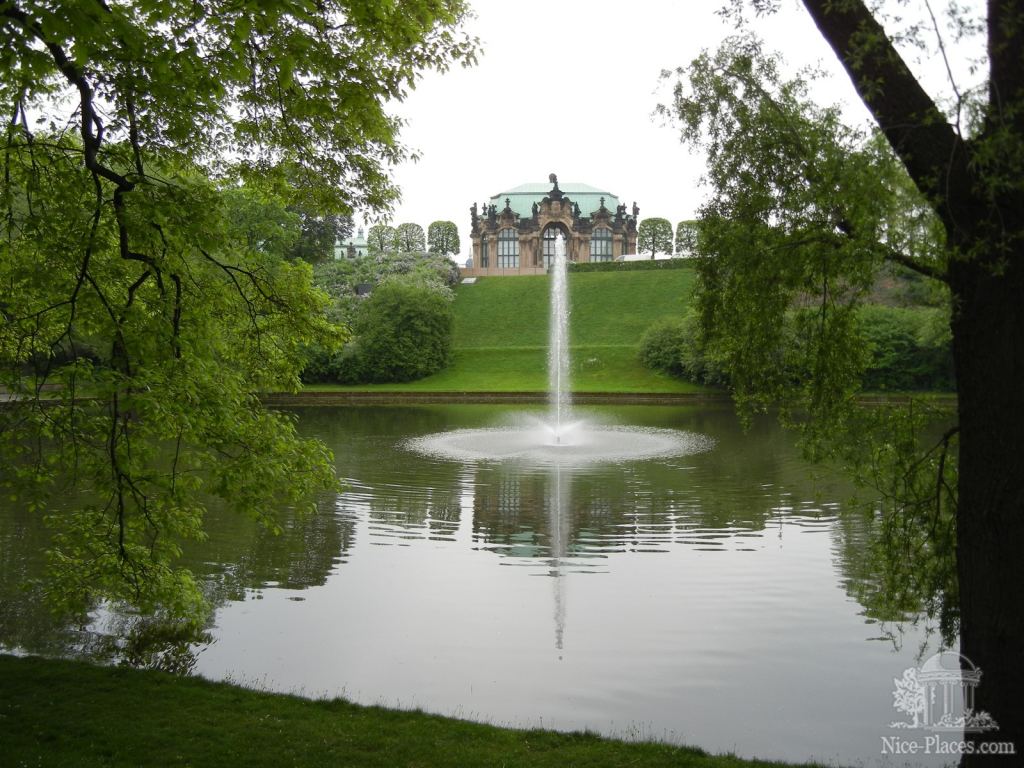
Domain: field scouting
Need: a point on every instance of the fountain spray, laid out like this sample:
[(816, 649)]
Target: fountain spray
[(558, 344)]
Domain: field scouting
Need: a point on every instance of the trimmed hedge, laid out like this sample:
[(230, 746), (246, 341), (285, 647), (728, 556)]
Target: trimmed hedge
[(628, 266)]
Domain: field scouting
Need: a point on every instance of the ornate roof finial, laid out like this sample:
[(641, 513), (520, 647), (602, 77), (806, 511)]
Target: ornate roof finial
[(555, 193), (508, 204)]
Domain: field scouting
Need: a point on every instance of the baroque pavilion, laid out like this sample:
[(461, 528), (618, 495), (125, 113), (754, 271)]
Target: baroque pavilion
[(516, 232)]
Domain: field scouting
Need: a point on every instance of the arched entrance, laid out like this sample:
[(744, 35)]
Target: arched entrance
[(547, 244)]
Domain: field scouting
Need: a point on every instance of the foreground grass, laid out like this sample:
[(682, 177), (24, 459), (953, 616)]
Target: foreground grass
[(59, 713)]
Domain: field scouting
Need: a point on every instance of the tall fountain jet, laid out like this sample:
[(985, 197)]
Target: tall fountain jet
[(559, 441), (558, 342)]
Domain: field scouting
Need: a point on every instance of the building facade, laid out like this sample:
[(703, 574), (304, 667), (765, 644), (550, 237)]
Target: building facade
[(516, 233), (352, 247)]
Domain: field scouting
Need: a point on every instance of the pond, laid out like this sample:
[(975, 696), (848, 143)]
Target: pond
[(719, 598)]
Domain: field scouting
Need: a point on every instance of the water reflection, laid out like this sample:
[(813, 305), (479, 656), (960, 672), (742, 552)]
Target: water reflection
[(559, 526), (635, 592), (554, 520), (241, 555), (643, 508)]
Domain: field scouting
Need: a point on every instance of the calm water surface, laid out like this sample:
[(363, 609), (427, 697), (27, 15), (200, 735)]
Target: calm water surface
[(706, 599)]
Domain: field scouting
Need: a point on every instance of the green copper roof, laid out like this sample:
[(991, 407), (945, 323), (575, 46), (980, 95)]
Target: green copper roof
[(522, 198)]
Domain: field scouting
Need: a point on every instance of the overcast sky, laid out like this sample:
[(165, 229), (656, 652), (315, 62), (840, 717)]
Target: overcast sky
[(568, 87)]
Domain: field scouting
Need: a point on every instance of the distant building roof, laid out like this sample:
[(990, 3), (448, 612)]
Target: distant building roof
[(357, 244), (357, 241), (522, 198)]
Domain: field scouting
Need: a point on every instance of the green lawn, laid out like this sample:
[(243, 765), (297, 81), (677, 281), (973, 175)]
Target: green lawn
[(524, 369), (61, 713), (607, 308), (501, 334)]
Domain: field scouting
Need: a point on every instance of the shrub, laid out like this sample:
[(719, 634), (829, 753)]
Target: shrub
[(910, 349), (422, 267), (404, 331), (334, 366), (661, 346), (671, 345)]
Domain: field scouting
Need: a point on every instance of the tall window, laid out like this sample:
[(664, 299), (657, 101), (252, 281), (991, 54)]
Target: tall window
[(601, 244), (485, 256), (548, 241), (508, 249)]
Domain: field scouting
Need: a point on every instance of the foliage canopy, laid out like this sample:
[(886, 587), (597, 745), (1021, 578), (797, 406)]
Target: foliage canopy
[(443, 238), (404, 331), (806, 209), (411, 238), (381, 239), (654, 236), (803, 214), (145, 306)]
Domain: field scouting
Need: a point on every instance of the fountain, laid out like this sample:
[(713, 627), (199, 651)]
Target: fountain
[(559, 439), (559, 443), (558, 340)]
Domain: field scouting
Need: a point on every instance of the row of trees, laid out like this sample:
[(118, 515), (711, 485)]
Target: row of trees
[(441, 237), (654, 236)]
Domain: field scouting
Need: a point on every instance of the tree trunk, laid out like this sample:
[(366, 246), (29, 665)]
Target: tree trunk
[(976, 190), (988, 347)]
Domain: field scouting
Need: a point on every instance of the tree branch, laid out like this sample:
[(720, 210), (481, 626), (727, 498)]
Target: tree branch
[(91, 125), (1005, 54), (915, 127), (915, 265)]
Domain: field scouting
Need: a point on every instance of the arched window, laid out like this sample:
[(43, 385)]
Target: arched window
[(485, 259), (548, 240), (601, 244), (508, 249)]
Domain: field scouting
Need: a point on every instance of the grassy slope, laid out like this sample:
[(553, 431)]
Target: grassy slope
[(59, 713), (501, 333)]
